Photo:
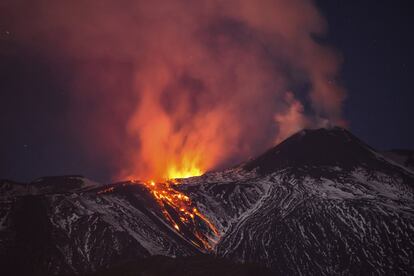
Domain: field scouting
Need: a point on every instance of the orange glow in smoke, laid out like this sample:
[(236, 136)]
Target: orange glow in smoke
[(174, 173), (178, 88)]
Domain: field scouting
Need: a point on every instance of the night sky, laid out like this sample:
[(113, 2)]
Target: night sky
[(375, 39)]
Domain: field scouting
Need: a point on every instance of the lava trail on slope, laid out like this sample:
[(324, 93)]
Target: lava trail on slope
[(179, 211)]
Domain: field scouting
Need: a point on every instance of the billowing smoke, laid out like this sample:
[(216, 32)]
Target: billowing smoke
[(178, 87)]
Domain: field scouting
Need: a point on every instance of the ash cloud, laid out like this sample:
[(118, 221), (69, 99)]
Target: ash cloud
[(164, 86)]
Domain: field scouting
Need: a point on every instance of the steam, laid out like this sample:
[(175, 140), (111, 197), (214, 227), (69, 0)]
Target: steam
[(177, 87)]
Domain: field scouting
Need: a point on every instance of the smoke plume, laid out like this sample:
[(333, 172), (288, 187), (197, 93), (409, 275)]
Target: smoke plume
[(178, 87)]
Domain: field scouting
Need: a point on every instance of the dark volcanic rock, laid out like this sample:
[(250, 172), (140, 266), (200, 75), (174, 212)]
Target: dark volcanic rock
[(319, 147), (202, 265), (76, 231), (320, 203), (403, 157)]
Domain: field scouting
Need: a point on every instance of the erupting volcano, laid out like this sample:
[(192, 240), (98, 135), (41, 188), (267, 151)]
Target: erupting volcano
[(215, 132), (178, 209)]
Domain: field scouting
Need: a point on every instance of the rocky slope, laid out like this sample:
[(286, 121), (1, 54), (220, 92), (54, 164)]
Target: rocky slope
[(403, 157), (320, 203)]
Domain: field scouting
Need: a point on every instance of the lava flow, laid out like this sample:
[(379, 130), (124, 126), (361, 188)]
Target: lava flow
[(183, 216)]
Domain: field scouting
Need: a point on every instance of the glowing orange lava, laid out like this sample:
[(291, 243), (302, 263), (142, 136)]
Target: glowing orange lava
[(186, 218)]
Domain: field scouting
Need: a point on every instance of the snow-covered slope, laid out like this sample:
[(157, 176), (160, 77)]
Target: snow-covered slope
[(320, 203), (84, 227)]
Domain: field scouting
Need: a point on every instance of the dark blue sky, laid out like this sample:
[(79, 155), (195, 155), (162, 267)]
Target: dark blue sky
[(374, 37), (376, 41)]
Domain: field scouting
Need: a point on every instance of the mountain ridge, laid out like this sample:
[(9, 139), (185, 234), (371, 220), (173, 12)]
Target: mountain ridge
[(322, 202)]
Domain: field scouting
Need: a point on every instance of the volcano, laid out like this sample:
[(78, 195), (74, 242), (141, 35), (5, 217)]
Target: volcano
[(322, 202)]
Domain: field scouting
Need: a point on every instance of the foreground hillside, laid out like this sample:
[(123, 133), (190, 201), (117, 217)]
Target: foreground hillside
[(320, 203)]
